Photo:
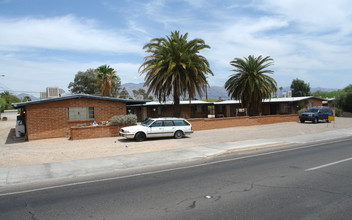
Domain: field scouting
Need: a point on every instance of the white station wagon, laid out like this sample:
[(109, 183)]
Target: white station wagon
[(158, 127)]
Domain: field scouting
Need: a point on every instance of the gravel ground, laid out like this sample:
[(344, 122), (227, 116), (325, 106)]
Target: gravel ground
[(15, 152)]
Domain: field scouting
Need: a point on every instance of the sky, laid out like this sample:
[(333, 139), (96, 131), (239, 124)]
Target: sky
[(45, 43)]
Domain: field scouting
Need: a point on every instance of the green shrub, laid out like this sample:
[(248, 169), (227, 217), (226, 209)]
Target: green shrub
[(338, 112), (301, 111), (123, 119)]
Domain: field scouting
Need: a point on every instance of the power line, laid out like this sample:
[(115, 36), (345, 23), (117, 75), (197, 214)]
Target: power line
[(18, 91)]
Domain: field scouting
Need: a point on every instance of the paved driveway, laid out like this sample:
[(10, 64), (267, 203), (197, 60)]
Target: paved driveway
[(18, 153)]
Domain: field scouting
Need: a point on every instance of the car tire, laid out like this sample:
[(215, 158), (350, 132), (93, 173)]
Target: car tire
[(140, 136), (178, 134), (302, 121), (316, 120)]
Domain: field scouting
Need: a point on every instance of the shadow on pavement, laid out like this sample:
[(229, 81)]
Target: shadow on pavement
[(11, 137), (126, 140)]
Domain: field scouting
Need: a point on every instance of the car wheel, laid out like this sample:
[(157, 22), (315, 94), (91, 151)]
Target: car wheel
[(178, 134), (140, 136), (316, 120), (302, 121)]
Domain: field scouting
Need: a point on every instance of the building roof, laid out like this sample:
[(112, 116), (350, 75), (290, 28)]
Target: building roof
[(156, 103), (272, 100), (79, 96)]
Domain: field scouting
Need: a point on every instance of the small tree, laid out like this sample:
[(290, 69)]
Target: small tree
[(105, 76), (86, 83), (2, 104), (300, 88), (9, 99), (143, 93), (26, 99), (124, 94)]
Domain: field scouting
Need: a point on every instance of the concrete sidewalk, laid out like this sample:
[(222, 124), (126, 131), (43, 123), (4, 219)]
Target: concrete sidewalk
[(78, 168)]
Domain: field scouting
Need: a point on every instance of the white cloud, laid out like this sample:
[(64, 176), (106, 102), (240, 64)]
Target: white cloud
[(62, 33), (128, 72), (311, 15), (36, 76), (305, 38)]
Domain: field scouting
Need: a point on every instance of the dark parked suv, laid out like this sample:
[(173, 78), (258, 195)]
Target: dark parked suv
[(315, 114)]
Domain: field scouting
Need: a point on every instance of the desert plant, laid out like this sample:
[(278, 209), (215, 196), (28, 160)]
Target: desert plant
[(123, 119)]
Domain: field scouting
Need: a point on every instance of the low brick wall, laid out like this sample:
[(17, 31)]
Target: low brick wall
[(197, 124), (95, 131), (213, 123)]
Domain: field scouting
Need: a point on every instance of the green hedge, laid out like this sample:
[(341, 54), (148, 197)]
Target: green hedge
[(338, 112)]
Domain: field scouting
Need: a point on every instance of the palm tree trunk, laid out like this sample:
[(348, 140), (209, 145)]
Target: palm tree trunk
[(177, 108)]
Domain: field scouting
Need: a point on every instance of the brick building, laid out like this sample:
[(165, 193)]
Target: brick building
[(50, 118), (290, 105), (193, 109)]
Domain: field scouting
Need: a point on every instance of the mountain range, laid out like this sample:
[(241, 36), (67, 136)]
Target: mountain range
[(214, 92)]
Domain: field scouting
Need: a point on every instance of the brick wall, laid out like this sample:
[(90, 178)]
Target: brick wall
[(213, 123), (49, 119), (197, 124), (95, 131), (315, 102)]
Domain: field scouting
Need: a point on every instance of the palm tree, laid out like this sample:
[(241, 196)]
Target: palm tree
[(250, 85), (175, 68), (105, 74), (26, 99)]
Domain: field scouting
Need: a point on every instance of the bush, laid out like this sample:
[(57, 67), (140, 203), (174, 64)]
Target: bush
[(123, 119), (301, 111), (338, 112)]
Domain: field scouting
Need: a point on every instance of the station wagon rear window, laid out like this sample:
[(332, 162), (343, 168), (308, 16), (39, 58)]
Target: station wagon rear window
[(180, 123)]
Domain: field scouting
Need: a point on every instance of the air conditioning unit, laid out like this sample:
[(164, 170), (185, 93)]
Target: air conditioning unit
[(52, 92)]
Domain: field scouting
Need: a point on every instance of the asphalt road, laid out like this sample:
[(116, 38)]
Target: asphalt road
[(306, 183)]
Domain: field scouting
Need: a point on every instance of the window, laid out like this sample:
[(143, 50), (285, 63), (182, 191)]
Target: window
[(160, 110), (285, 108), (168, 123), (80, 113), (180, 123), (157, 124), (199, 108)]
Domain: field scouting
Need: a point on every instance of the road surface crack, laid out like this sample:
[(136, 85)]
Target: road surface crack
[(31, 213), (251, 187), (304, 188), (193, 205)]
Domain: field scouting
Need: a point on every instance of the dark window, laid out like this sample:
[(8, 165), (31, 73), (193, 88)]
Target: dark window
[(157, 124), (180, 123), (91, 112), (80, 113), (168, 123)]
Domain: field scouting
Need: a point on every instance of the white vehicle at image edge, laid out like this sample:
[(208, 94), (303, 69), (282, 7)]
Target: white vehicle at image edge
[(158, 127)]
